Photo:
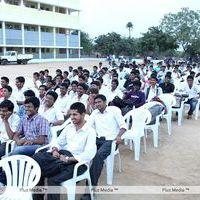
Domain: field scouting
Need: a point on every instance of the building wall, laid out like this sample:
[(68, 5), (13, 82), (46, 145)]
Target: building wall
[(44, 44)]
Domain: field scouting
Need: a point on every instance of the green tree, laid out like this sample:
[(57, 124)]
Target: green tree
[(129, 26), (154, 42), (108, 44), (194, 48), (184, 26), (86, 43)]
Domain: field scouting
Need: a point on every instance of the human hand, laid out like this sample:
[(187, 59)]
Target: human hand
[(28, 143), (64, 158), (56, 154), (20, 142), (118, 140)]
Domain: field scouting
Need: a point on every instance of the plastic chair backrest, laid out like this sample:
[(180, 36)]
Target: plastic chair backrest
[(139, 118), (21, 171)]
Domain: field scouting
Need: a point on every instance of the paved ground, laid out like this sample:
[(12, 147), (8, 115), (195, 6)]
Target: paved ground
[(175, 162)]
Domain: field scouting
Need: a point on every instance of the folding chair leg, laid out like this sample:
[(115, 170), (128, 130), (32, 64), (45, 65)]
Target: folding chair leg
[(145, 144), (90, 189), (137, 148), (71, 191)]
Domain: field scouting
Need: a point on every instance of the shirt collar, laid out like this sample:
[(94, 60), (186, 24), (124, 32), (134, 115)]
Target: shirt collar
[(31, 118)]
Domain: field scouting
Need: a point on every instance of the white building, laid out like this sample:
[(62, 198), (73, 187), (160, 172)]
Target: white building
[(45, 28)]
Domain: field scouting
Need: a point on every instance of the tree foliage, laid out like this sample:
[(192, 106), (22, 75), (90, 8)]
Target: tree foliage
[(184, 26), (129, 26), (86, 43), (155, 42)]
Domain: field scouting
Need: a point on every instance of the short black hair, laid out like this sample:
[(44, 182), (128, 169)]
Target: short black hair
[(74, 83), (7, 104), (190, 77), (93, 91), (79, 107), (137, 83), (43, 86), (21, 79), (42, 72), (66, 72), (84, 86), (101, 96), (29, 93), (8, 88), (34, 100), (100, 80), (5, 79), (65, 85), (97, 83), (36, 74), (53, 94), (82, 77), (59, 71), (46, 70), (67, 81)]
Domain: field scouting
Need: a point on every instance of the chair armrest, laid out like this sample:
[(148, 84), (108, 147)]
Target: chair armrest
[(78, 165), (8, 143), (43, 147)]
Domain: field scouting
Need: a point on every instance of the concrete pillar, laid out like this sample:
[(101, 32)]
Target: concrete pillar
[(38, 6), (23, 50), (4, 33), (40, 53), (22, 3), (54, 53), (39, 35), (67, 53), (79, 44), (54, 9), (4, 51), (23, 37), (54, 36)]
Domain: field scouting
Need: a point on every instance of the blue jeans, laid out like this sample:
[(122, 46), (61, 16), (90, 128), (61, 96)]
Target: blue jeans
[(193, 103), (27, 150)]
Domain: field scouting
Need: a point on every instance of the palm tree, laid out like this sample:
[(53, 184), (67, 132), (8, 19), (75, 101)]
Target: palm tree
[(129, 26)]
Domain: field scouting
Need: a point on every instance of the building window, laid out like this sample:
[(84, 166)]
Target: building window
[(47, 29), (60, 10), (13, 26), (46, 7), (61, 30), (31, 4), (13, 2), (30, 28)]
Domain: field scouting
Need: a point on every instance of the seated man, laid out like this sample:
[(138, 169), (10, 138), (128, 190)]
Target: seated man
[(76, 143), (33, 130), (153, 90), (193, 91), (9, 123), (49, 112), (167, 86), (109, 125)]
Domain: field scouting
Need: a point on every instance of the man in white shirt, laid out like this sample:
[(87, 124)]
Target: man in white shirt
[(7, 94), (19, 91), (109, 125), (153, 90), (81, 94), (49, 112), (76, 143), (193, 91), (114, 91), (63, 101), (9, 123)]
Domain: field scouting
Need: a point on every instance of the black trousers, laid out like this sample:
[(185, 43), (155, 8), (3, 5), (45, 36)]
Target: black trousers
[(2, 149), (103, 151), (55, 170)]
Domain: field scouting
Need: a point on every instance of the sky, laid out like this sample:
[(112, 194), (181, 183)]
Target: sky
[(103, 16)]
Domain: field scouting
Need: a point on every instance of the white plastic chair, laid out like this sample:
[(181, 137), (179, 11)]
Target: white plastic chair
[(109, 161), (21, 172), (179, 110), (136, 131), (10, 144), (169, 100), (71, 183)]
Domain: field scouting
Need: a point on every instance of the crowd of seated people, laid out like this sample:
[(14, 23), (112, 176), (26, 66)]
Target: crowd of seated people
[(106, 93)]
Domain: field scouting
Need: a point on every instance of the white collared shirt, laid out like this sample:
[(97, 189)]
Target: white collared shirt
[(83, 99), (19, 94), (108, 123), (153, 92), (62, 103), (81, 144), (13, 121), (51, 115), (112, 94), (192, 92)]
